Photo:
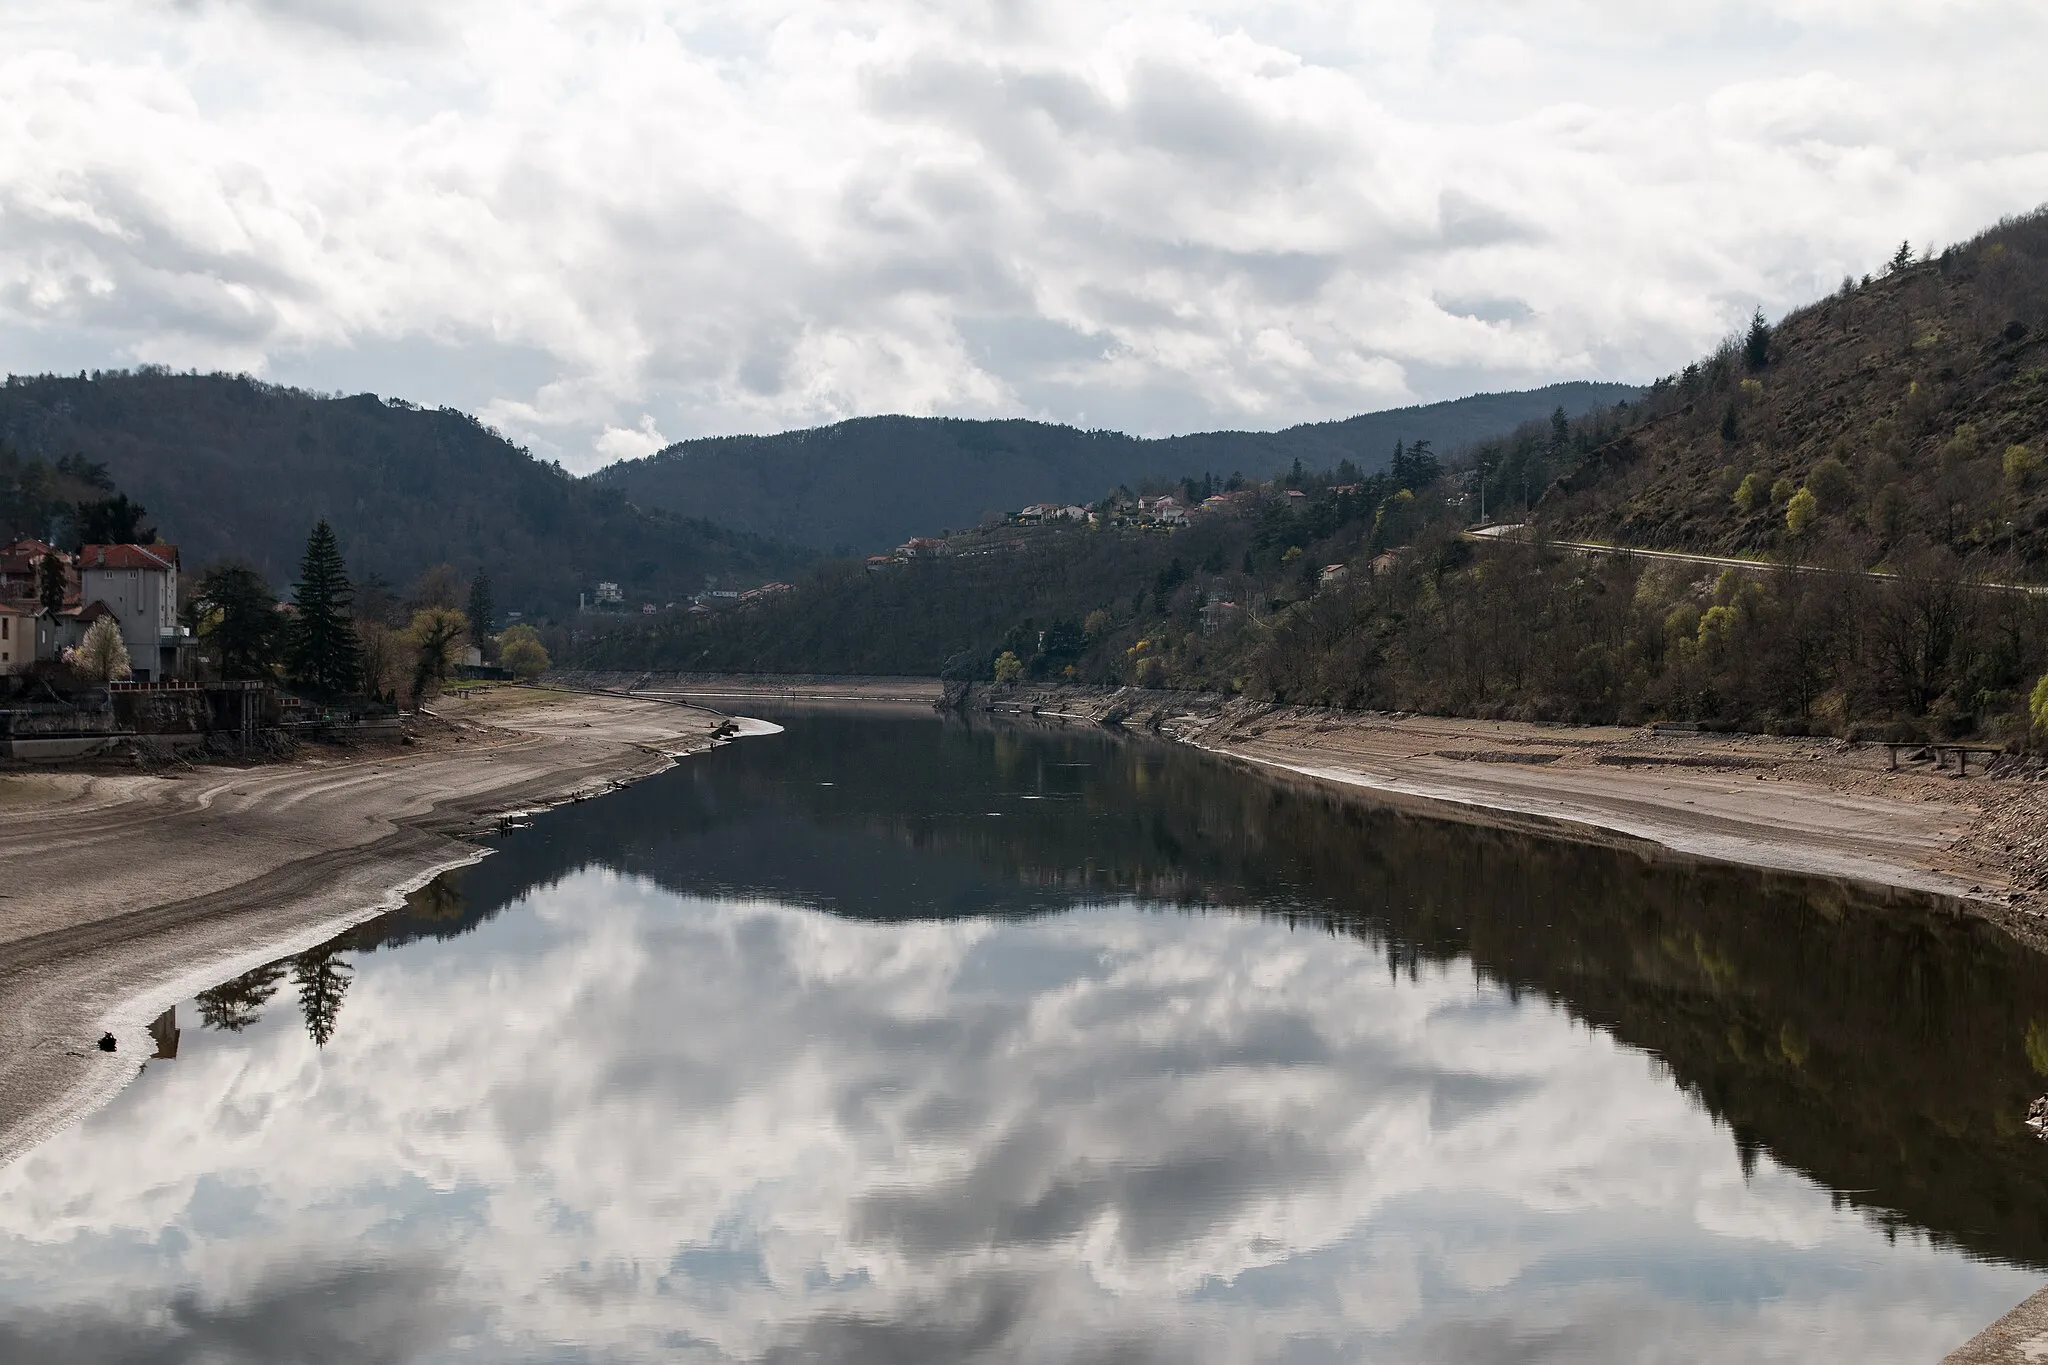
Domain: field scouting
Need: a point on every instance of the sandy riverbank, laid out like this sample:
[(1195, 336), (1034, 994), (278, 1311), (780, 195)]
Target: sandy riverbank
[(726, 691), (124, 892), (1800, 805)]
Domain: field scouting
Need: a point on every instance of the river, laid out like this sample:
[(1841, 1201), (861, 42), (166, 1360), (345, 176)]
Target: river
[(901, 1040)]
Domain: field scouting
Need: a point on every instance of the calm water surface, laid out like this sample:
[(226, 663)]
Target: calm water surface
[(898, 1041)]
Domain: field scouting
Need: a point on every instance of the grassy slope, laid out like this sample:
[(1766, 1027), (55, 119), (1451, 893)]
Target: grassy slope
[(1882, 379)]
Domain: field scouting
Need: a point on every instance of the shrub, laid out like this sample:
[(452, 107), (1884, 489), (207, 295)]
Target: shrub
[(2038, 705), (1832, 484), (1962, 445), (2022, 465), (1751, 492), (1717, 622), (520, 650), (1008, 667), (1801, 511), (1782, 491)]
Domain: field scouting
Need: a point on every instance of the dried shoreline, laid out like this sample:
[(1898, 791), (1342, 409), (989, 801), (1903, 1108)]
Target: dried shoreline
[(127, 892), (1799, 805)]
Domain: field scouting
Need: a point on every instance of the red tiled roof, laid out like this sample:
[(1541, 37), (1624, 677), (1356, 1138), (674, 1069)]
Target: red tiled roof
[(128, 557), (26, 556), (29, 545)]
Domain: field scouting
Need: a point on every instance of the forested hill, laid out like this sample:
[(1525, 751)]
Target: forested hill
[(232, 468), (1906, 411), (872, 482)]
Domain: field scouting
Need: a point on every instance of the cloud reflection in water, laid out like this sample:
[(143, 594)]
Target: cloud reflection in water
[(621, 1123)]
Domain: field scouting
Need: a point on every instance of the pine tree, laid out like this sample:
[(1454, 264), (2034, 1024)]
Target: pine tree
[(238, 621), (50, 584), (1756, 347), (323, 652), (1902, 259), (322, 976), (482, 611)]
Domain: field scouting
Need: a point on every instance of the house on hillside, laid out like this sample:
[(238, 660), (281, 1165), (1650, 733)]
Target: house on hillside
[(1049, 511), (1220, 615), (138, 586), (923, 547), (1162, 511)]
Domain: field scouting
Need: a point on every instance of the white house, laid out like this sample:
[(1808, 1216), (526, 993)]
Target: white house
[(17, 637), (139, 585)]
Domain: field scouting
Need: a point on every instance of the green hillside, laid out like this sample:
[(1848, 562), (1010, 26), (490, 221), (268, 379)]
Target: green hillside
[(1913, 407), (1898, 426), (872, 482), (230, 468)]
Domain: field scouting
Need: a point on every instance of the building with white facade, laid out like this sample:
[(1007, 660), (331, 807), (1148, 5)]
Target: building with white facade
[(17, 637), (139, 585)]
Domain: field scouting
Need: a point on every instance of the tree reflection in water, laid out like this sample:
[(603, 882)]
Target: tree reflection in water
[(322, 978), (234, 1005), (1884, 1043), (320, 975), (708, 1080)]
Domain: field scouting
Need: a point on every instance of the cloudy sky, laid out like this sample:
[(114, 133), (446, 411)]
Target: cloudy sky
[(605, 224)]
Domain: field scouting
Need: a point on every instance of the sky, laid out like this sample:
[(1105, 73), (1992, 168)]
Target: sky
[(605, 225)]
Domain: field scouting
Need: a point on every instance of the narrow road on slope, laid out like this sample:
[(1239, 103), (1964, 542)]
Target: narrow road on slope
[(1519, 532)]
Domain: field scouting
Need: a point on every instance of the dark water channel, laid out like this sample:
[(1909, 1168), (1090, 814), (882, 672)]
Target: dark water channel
[(888, 1040)]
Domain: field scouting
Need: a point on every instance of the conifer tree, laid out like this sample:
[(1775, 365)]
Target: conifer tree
[(323, 651), (322, 976), (239, 621), (50, 583), (482, 611), (1756, 347)]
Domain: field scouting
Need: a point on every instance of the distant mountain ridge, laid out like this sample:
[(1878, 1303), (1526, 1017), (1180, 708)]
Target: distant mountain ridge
[(231, 468), (872, 482)]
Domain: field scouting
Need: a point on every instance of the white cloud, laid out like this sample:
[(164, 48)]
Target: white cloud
[(729, 216), (620, 443)]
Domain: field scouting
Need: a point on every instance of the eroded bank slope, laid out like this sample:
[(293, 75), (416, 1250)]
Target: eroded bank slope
[(126, 891)]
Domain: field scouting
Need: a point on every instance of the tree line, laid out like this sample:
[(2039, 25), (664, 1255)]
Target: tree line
[(339, 638), (1368, 596)]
